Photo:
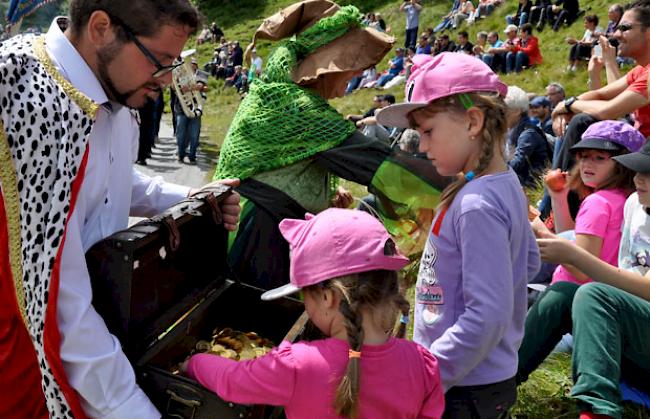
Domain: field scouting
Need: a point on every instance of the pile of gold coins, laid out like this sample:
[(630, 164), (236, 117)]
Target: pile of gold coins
[(232, 344)]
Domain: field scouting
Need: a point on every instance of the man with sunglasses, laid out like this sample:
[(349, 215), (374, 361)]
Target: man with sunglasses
[(627, 95), (66, 181)]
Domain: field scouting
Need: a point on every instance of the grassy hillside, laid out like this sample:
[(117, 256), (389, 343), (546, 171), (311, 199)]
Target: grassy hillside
[(240, 18)]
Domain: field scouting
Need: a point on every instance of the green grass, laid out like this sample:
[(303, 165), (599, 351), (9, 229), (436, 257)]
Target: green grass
[(546, 394)]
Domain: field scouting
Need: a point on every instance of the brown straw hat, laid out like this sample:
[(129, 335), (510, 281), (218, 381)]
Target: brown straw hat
[(331, 64)]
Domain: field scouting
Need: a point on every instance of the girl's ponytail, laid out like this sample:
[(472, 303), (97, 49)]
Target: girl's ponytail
[(347, 393)]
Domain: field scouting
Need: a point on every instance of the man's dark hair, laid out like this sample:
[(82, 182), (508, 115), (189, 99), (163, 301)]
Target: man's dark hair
[(389, 98), (142, 17), (642, 11), (527, 27), (592, 19), (444, 36), (464, 34)]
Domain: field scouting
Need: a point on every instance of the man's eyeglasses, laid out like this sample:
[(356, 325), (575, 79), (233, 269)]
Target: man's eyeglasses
[(161, 70), (624, 27)]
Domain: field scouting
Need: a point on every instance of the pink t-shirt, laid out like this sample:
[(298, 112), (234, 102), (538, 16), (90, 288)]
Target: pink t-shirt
[(601, 215), (399, 379)]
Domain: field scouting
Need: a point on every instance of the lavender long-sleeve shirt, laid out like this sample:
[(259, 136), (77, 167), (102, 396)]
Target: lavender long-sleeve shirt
[(471, 288)]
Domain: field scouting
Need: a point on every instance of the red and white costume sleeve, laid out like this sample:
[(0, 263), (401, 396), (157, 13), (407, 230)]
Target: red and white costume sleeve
[(66, 181)]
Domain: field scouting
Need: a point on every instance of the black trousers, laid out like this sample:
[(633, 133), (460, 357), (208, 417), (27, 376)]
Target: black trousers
[(489, 401)]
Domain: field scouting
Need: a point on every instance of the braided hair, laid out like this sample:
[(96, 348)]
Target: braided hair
[(376, 293)]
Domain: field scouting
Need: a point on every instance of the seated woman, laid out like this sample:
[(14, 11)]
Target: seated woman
[(581, 49), (610, 317)]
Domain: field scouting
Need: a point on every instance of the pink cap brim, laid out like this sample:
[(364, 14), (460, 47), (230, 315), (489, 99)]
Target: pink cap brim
[(397, 115), (280, 292)]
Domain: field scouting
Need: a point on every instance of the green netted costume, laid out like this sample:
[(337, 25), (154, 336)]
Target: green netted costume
[(289, 146)]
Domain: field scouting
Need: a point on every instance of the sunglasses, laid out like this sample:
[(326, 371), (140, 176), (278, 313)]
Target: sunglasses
[(624, 27), (161, 70)]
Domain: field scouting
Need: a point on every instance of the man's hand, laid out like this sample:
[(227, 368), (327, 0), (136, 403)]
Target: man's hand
[(230, 208), (560, 122)]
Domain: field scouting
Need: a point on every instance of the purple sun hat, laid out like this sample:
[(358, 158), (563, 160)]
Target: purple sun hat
[(614, 136)]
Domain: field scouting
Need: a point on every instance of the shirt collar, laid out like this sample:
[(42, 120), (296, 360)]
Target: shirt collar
[(72, 65)]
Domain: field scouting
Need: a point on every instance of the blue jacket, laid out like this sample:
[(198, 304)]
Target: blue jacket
[(531, 151)]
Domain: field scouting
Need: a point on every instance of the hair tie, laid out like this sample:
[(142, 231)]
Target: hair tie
[(353, 354), (404, 319), (470, 175)]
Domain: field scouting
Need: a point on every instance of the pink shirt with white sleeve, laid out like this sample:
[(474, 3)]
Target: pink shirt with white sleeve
[(399, 379)]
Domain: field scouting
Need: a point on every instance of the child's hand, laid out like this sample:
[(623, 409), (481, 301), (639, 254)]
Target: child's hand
[(556, 250), (540, 230), (556, 181), (184, 366)]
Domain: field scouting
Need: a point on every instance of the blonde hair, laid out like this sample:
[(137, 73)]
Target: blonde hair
[(493, 132), (378, 292)]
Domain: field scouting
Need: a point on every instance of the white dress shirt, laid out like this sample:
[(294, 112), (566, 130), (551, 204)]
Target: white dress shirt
[(112, 189)]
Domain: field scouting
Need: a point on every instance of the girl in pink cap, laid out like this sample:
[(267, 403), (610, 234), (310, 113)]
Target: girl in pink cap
[(481, 252), (345, 264)]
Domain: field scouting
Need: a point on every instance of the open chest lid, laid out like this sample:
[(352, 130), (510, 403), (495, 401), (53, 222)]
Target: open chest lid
[(147, 277)]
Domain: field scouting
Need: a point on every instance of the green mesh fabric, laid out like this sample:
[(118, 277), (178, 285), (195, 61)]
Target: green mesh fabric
[(278, 122)]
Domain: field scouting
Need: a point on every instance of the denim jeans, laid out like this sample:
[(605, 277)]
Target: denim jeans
[(411, 37), (187, 133), (516, 61), (523, 18)]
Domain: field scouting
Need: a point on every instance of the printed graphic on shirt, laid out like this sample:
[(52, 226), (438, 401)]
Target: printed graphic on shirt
[(635, 241), (428, 292)]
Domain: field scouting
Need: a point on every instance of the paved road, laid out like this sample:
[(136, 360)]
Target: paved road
[(164, 162)]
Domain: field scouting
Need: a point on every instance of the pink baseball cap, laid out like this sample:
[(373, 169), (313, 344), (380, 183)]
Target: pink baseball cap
[(334, 243), (435, 77)]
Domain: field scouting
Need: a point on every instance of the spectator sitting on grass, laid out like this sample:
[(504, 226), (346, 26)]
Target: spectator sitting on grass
[(627, 95), (481, 44), (540, 109), (555, 93), (423, 46), (524, 54), (377, 103), (464, 45), (526, 143), (568, 13), (581, 49), (494, 53), (538, 12), (604, 54), (369, 125), (521, 16), (464, 12), (396, 67), (443, 44), (405, 74)]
